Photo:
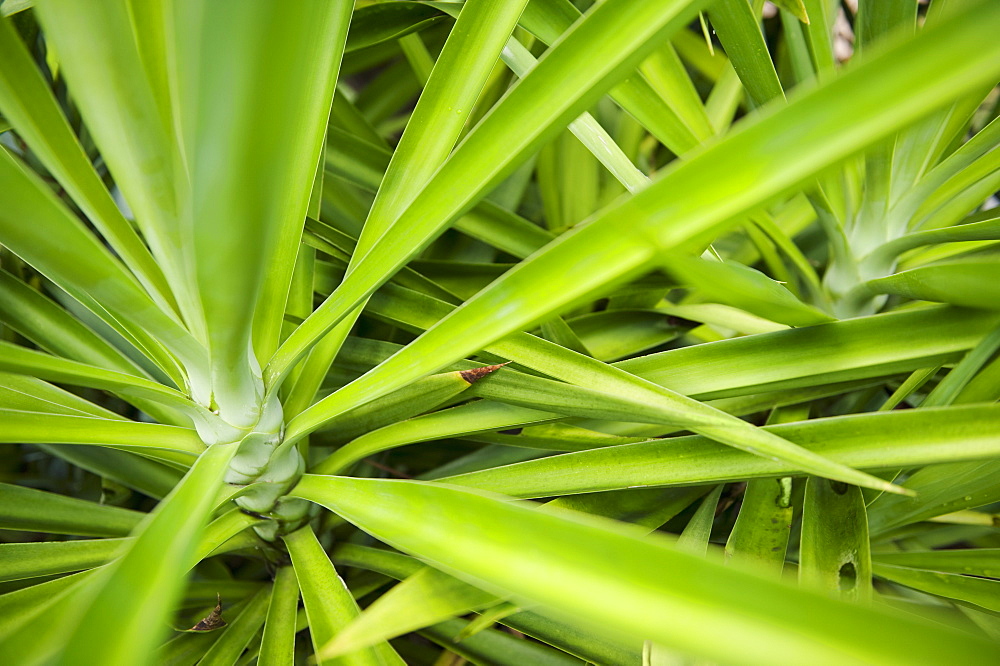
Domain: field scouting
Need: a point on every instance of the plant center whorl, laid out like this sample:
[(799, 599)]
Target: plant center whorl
[(266, 471)]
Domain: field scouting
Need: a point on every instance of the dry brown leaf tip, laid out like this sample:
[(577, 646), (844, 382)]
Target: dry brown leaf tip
[(475, 374), (213, 620)]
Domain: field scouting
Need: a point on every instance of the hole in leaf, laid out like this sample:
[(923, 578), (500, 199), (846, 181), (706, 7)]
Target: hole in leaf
[(838, 487), (848, 577)]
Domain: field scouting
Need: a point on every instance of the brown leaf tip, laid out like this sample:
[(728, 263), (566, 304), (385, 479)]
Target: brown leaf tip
[(474, 375), (213, 620)]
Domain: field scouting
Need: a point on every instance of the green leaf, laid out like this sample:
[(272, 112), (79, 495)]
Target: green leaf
[(590, 133), (567, 278), (233, 639), (425, 598), (30, 394), (983, 226), (495, 647), (52, 328), (375, 24), (666, 73), (645, 402), (32, 510), (151, 438), (581, 643), (278, 644), (649, 507), (549, 19), (29, 560), (883, 440), (23, 607), (535, 109), (864, 347), (695, 537), (981, 562), (740, 33), (810, 356), (150, 574), (743, 287), (796, 7), (434, 126), (834, 555), (93, 276), (877, 19), (429, 595), (328, 603), (242, 224), (661, 594), (100, 57), (966, 283), (951, 387), (29, 105), (52, 368), (11, 7), (940, 489), (614, 334), (979, 591), (760, 536), (419, 397), (462, 420), (149, 477)]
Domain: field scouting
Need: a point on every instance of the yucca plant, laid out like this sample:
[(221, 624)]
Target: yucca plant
[(591, 323)]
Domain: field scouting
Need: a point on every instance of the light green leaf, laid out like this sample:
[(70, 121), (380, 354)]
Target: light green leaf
[(150, 438), (427, 597), (462, 420), (241, 224), (581, 643), (101, 59), (653, 597), (29, 105), (24, 606), (535, 109), (92, 276), (796, 7), (883, 440), (742, 287), (52, 368), (54, 329), (466, 331), (864, 347), (419, 397)]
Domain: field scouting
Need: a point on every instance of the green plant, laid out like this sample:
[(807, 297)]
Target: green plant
[(599, 264)]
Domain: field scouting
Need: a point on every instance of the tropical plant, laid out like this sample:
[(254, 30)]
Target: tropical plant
[(591, 323)]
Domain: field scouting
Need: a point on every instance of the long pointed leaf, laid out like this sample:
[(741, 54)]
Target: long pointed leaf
[(651, 597)]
